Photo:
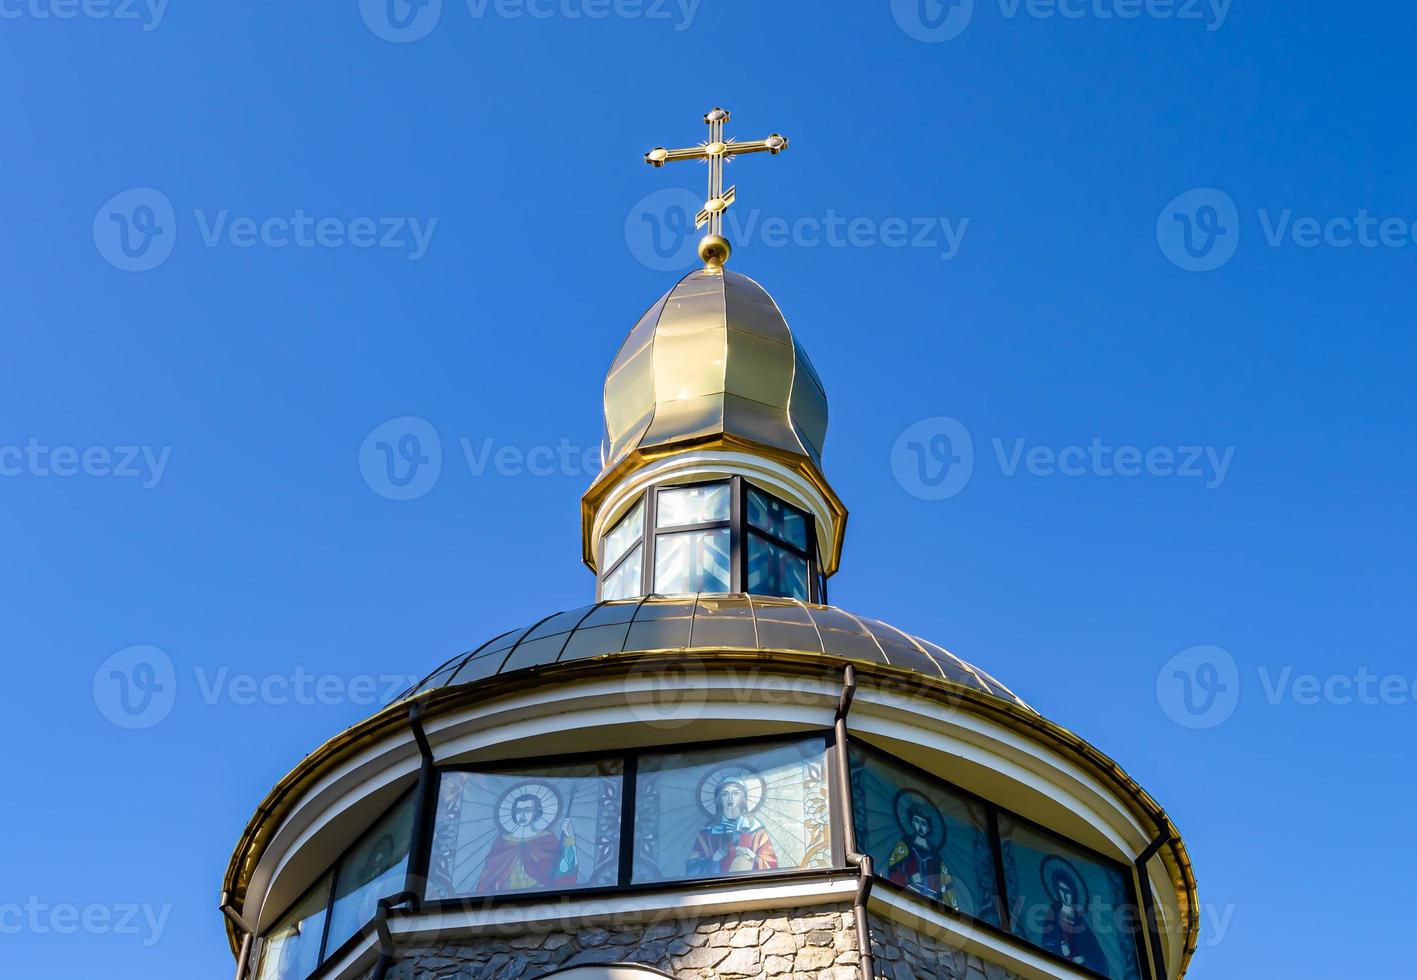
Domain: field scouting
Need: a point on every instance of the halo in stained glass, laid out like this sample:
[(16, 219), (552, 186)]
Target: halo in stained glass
[(521, 832), (1068, 902), (731, 810)]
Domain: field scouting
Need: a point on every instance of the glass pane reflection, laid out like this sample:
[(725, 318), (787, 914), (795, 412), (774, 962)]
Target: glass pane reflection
[(625, 580), (773, 570), (624, 534), (682, 506), (692, 561), (291, 950), (374, 869), (767, 513)]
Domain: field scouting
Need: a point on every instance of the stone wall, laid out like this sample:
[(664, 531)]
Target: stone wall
[(904, 954), (796, 945)]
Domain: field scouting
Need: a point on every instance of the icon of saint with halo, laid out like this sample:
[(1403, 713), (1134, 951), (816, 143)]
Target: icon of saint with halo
[(734, 841), (916, 861), (527, 854)]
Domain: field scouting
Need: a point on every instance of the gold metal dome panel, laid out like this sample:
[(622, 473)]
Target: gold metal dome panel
[(713, 358)]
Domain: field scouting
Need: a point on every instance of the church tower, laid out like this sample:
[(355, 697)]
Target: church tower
[(710, 771)]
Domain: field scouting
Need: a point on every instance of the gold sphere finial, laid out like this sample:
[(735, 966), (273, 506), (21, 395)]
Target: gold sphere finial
[(714, 250)]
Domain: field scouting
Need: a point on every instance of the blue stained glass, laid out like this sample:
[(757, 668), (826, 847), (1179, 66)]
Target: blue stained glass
[(1069, 903), (773, 570), (924, 837), (767, 513)]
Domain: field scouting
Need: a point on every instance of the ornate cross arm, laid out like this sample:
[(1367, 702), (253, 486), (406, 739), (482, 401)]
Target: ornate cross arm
[(716, 151)]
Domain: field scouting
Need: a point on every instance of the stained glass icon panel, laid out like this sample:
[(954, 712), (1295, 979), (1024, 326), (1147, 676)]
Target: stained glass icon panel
[(732, 810), (692, 561), (291, 950), (1068, 902), (374, 869), (683, 506), (525, 831), (923, 836)]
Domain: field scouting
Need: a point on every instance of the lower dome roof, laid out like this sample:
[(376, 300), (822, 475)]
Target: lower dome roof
[(707, 622)]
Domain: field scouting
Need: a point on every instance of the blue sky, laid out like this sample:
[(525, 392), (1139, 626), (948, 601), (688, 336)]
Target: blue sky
[(1050, 245)]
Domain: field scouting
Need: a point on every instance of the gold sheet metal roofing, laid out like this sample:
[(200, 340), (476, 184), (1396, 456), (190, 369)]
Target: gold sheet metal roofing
[(713, 364), (707, 622), (714, 356)]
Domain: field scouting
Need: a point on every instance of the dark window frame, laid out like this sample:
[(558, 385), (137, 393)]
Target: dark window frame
[(629, 770), (993, 812), (739, 530), (332, 871)]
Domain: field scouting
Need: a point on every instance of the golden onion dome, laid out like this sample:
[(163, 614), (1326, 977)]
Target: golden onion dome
[(713, 365)]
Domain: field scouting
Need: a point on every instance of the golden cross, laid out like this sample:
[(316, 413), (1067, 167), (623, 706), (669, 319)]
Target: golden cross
[(716, 151)]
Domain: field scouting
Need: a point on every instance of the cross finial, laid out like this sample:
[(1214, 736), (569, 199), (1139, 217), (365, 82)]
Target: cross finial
[(716, 151)]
